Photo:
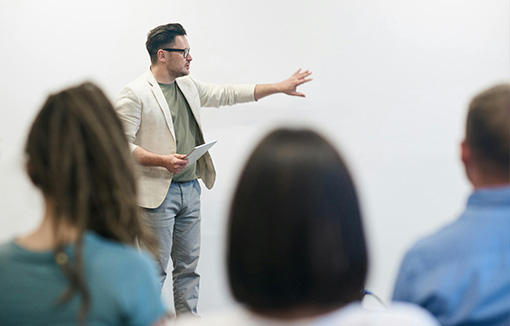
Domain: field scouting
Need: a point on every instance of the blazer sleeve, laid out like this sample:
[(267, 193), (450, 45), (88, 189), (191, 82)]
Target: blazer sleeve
[(129, 108), (212, 95)]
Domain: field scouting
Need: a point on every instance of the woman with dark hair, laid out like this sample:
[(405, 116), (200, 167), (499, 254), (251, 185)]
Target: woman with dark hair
[(296, 247), (81, 266)]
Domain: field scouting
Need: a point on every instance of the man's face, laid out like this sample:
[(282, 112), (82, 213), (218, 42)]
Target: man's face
[(176, 64)]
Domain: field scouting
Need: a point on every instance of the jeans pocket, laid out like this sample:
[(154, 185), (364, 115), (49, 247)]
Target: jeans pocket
[(198, 187)]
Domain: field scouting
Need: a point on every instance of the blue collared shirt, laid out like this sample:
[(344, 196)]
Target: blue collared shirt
[(461, 274)]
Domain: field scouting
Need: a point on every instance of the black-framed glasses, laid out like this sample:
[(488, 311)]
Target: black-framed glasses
[(185, 52)]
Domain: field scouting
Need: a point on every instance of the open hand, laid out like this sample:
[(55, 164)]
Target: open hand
[(289, 86)]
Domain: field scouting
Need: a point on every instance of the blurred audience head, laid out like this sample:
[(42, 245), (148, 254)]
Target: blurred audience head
[(486, 148), (77, 155), (295, 241)]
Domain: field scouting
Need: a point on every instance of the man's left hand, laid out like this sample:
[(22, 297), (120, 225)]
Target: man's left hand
[(289, 86)]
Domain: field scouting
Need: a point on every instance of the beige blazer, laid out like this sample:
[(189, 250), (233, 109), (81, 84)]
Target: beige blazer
[(147, 121)]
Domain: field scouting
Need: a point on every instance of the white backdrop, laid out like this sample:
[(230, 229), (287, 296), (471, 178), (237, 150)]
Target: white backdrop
[(392, 79)]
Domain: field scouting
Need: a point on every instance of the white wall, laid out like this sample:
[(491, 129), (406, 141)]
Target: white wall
[(392, 79)]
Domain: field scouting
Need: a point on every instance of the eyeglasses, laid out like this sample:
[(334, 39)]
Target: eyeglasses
[(185, 52)]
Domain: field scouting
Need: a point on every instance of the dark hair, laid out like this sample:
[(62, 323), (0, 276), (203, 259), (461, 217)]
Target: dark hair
[(295, 234), (161, 36), (488, 129), (77, 154)]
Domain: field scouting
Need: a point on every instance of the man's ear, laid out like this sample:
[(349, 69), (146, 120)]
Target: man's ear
[(161, 55), (465, 152)]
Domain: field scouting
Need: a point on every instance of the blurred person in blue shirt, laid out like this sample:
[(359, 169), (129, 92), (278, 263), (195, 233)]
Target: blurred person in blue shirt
[(461, 274)]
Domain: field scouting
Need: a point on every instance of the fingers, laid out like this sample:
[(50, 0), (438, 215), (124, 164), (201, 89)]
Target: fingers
[(180, 156), (303, 74), (296, 94), (180, 165), (181, 161), (304, 80), (306, 73), (301, 77), (177, 163)]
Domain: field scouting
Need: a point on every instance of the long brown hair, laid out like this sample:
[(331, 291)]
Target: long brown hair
[(78, 156)]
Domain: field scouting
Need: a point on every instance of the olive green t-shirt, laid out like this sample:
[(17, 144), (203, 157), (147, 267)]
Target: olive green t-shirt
[(185, 126)]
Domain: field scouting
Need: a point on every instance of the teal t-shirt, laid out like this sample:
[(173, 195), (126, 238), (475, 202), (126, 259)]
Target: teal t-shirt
[(185, 126), (121, 280)]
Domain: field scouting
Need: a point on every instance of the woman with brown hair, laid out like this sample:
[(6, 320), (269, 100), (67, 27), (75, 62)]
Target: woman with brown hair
[(81, 264)]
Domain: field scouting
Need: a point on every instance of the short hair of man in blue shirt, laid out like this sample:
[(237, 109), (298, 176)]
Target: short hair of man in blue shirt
[(461, 274)]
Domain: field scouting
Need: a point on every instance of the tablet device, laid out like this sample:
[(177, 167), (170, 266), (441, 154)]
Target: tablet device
[(200, 150)]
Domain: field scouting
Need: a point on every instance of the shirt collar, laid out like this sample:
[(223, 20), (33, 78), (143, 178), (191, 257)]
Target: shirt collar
[(497, 196)]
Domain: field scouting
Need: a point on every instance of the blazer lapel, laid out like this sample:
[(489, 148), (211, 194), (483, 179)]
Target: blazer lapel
[(189, 95), (161, 100)]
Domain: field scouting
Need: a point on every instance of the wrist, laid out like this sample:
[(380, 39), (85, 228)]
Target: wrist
[(279, 87)]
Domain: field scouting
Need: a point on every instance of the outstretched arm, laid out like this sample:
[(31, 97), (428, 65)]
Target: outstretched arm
[(288, 86)]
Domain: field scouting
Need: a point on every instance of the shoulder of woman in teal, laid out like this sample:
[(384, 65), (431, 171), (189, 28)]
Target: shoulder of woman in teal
[(108, 253)]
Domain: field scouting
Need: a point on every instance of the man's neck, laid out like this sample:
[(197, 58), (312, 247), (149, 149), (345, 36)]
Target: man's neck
[(486, 176), (481, 180), (485, 185), (161, 74)]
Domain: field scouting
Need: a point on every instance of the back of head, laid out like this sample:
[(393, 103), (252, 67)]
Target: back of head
[(295, 235), (78, 156), (488, 130), (161, 36)]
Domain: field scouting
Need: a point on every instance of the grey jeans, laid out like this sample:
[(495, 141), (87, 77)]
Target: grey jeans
[(176, 223)]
